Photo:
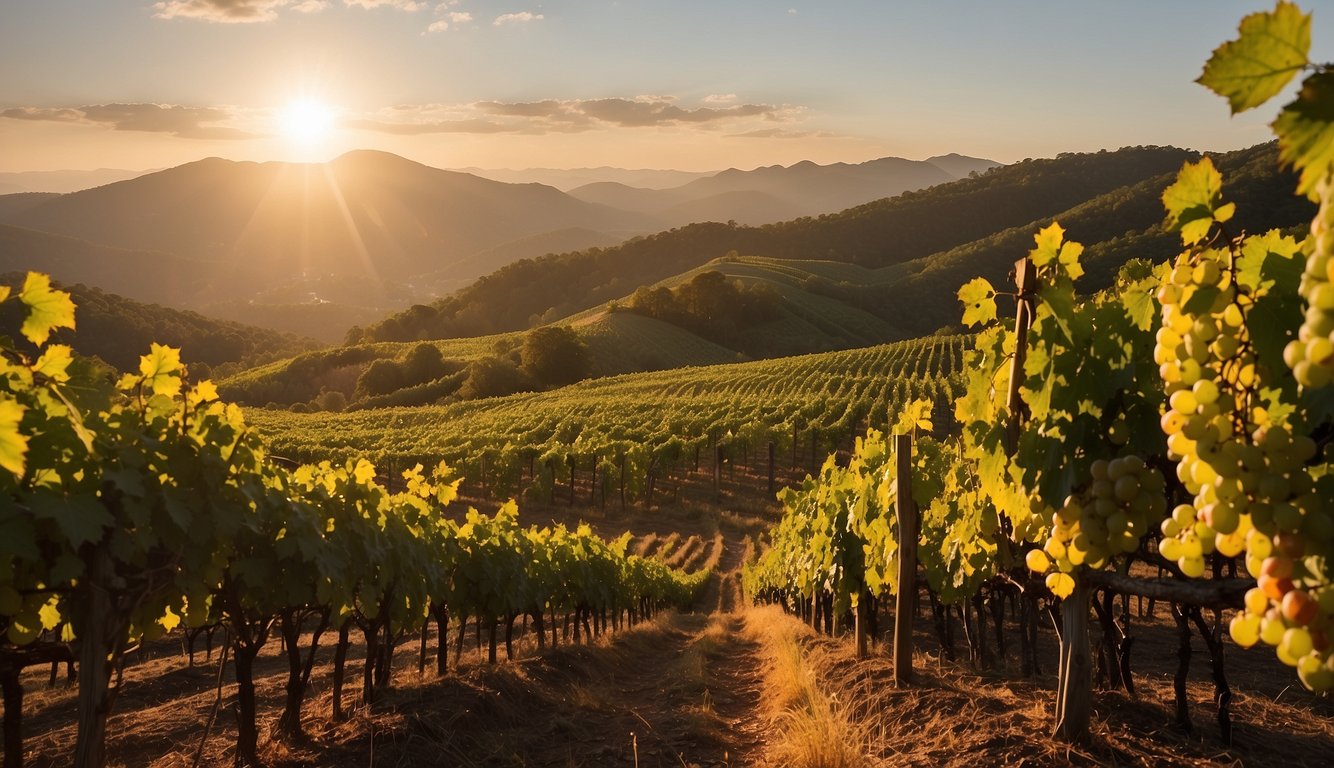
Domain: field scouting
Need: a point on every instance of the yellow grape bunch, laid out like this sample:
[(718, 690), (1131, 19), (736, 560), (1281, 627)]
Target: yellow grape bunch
[(1110, 518), (1311, 354), (1247, 470)]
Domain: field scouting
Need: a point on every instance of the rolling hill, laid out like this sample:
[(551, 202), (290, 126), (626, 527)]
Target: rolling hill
[(893, 231), (833, 303)]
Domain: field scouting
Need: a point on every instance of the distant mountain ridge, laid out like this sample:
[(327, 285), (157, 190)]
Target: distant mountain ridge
[(314, 248), (13, 182), (776, 193), (566, 179)]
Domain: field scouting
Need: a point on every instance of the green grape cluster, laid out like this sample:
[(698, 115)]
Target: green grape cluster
[(1108, 519), (1311, 354), (1208, 367), (1253, 494)]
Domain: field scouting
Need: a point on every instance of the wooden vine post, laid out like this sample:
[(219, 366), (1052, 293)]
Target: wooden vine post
[(1074, 688), (1025, 279), (904, 610)]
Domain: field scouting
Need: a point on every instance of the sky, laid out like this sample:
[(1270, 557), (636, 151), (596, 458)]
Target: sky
[(685, 84)]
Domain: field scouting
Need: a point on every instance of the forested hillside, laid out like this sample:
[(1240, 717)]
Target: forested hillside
[(119, 330), (923, 244), (890, 231)]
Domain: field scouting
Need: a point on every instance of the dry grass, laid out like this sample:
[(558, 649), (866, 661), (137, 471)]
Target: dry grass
[(683, 553), (666, 546), (645, 545), (953, 716), (814, 730), (706, 557)]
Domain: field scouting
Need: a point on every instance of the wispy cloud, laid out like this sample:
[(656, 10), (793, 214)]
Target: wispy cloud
[(781, 133), (522, 17), (415, 128), (223, 11), (254, 11), (567, 116), (411, 6), (448, 18), (182, 121)]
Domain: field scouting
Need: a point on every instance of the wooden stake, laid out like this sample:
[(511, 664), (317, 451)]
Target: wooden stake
[(903, 601), (1026, 280)]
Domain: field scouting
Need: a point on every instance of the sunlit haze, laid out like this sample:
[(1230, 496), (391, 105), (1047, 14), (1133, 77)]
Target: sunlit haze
[(307, 125), (693, 85)]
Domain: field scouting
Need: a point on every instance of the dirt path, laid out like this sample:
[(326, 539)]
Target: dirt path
[(683, 692)]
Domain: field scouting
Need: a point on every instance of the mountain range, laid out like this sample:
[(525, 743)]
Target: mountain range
[(370, 232), (777, 193), (62, 181)]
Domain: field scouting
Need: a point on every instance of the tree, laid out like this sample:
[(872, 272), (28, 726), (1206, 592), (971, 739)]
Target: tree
[(380, 377), (424, 363), (492, 377), (553, 356)]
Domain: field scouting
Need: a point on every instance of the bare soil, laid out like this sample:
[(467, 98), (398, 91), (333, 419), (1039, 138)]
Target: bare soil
[(689, 689)]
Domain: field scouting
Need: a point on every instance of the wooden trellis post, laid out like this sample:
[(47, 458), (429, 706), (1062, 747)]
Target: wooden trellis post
[(904, 609)]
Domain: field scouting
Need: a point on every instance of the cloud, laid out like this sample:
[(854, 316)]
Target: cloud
[(781, 133), (184, 122), (566, 116), (448, 18), (55, 114), (252, 11), (411, 6), (638, 113), (401, 128), (521, 17), (720, 98), (221, 11)]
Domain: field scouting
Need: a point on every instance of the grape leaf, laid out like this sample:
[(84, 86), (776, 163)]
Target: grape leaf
[(1305, 131), (1268, 259), (170, 620), (48, 308), (81, 518), (979, 300), (13, 445), (49, 615), (161, 370), (1193, 199), (203, 392), (1069, 258), (54, 363), (1137, 300), (1252, 69), (1047, 245)]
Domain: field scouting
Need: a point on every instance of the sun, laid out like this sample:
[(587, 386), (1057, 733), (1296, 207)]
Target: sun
[(306, 123)]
